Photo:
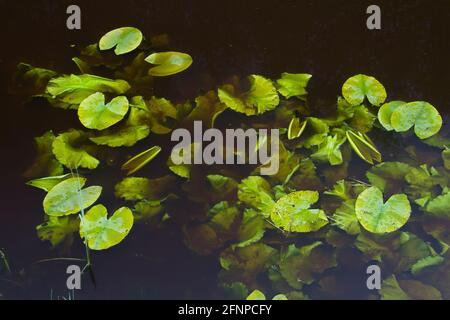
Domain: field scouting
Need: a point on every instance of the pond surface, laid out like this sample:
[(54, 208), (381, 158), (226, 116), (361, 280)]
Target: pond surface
[(328, 39)]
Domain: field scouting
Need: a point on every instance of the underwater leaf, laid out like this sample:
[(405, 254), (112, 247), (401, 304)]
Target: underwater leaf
[(439, 206), (140, 160), (101, 232), (358, 87), (300, 266), (207, 108), (68, 149), (136, 188), (296, 128), (45, 163), (423, 264), (389, 176), (256, 295), (385, 113), (125, 40), (345, 218), (95, 114), (293, 84), (393, 289), (261, 97), (363, 147), (32, 80), (73, 89), (446, 158), (362, 119), (168, 63), (58, 230), (379, 217), (256, 192), (329, 150), (292, 212), (68, 197), (124, 137), (423, 116), (223, 185), (48, 183), (251, 229)]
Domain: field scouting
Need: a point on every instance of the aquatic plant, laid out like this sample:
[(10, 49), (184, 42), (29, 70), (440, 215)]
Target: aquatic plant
[(333, 207)]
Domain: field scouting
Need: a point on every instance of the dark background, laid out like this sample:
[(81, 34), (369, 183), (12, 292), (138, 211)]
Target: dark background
[(328, 39)]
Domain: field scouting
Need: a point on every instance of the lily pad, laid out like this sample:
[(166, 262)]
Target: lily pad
[(292, 212), (379, 217), (293, 84), (101, 233), (95, 114), (48, 183), (385, 113), (168, 63), (359, 87), (125, 40), (423, 116), (68, 197)]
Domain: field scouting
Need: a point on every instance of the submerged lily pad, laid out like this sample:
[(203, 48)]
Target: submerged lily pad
[(292, 212), (101, 233), (68, 197), (379, 217), (168, 63), (358, 87), (423, 116), (95, 114), (125, 40)]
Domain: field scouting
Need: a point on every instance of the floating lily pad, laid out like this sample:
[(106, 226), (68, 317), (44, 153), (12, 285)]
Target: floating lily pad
[(95, 114), (385, 113), (293, 84), (68, 197), (101, 233), (359, 87), (292, 212), (125, 40), (423, 116), (379, 217), (168, 63)]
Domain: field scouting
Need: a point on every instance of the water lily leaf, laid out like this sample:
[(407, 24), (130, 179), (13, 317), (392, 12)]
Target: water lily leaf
[(345, 218), (95, 114), (68, 149), (68, 197), (125, 137), (363, 146), (362, 119), (358, 87), (207, 109), (293, 84), (256, 192), (223, 185), (446, 158), (58, 230), (261, 97), (378, 217), (292, 212), (140, 160), (48, 183), (423, 116), (73, 89), (137, 188), (385, 113), (296, 128), (256, 295), (168, 63), (31, 80), (329, 151), (424, 264), (125, 40), (101, 232), (251, 229), (45, 163)]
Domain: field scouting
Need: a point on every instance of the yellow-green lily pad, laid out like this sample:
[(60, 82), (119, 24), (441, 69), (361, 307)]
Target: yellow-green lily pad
[(125, 40), (359, 87), (168, 63)]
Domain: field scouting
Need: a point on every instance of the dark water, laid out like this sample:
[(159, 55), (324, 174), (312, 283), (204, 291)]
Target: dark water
[(328, 39)]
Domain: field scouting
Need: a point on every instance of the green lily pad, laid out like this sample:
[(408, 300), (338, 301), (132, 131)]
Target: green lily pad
[(423, 116), (140, 160), (256, 295), (292, 212), (101, 233), (95, 114), (68, 197), (358, 87), (125, 40), (293, 84), (385, 113), (378, 217), (58, 230), (168, 63)]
